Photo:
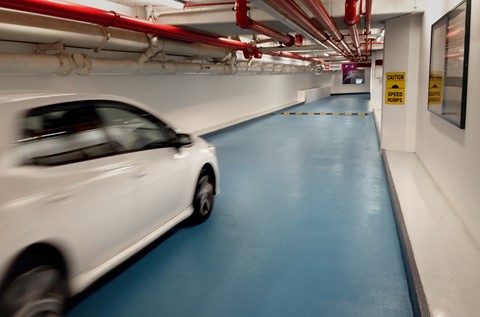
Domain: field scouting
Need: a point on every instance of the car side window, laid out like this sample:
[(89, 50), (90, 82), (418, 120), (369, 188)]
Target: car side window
[(61, 134), (132, 129)]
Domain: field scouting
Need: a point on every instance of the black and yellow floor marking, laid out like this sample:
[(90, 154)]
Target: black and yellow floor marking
[(325, 114)]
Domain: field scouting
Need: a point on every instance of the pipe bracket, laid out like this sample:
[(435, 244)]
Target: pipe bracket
[(106, 38), (43, 48)]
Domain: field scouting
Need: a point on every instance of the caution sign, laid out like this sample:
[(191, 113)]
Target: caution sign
[(435, 88), (395, 88)]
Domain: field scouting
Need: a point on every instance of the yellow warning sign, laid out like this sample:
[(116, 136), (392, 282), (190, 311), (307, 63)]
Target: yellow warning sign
[(435, 88), (395, 88)]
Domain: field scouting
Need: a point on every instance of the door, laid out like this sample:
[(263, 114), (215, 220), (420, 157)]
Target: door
[(83, 184), (159, 170)]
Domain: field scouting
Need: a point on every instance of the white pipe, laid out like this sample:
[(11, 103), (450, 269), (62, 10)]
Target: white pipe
[(81, 64), (25, 63), (31, 28)]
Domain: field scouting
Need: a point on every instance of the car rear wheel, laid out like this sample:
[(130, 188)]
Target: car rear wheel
[(203, 198), (34, 291)]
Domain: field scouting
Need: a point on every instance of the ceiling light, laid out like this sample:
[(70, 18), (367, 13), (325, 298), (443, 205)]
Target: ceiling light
[(326, 54)]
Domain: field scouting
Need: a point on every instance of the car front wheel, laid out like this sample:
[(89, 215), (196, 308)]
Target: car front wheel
[(203, 198)]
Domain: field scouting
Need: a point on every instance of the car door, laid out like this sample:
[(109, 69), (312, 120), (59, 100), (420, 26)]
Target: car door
[(83, 186), (159, 169)]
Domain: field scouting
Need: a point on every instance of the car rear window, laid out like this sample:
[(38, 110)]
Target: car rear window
[(61, 134)]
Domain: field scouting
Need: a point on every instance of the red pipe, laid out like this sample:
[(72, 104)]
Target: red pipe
[(244, 22), (110, 18), (321, 13), (350, 12)]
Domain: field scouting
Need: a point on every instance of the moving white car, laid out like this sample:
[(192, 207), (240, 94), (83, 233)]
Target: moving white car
[(87, 181)]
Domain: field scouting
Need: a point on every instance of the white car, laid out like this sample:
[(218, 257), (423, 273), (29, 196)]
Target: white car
[(87, 181)]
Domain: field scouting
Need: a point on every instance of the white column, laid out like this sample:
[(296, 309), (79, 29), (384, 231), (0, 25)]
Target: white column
[(401, 54)]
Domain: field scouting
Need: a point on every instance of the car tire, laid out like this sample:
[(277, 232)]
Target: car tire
[(203, 198), (33, 288)]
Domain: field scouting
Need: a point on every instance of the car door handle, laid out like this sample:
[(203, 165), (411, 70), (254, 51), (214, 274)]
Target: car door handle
[(140, 173), (139, 169), (180, 155)]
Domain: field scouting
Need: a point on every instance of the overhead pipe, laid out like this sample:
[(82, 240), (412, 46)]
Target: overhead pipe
[(368, 22), (81, 64), (303, 48), (368, 16), (109, 18), (321, 14), (281, 17), (30, 28), (296, 56), (211, 4), (351, 19), (245, 22), (112, 19), (294, 13), (355, 39)]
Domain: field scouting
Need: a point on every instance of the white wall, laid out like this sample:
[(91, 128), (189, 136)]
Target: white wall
[(339, 88), (451, 155), (194, 103)]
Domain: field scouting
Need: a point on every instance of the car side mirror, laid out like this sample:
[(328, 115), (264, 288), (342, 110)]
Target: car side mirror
[(182, 139)]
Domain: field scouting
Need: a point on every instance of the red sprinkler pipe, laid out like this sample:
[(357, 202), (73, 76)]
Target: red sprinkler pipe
[(350, 12), (244, 22), (112, 19)]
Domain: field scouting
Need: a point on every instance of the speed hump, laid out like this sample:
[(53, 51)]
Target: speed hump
[(395, 88)]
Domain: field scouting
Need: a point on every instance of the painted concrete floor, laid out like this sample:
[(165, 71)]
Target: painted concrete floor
[(303, 227)]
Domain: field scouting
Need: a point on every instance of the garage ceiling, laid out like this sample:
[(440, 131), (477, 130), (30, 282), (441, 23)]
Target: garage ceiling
[(220, 20)]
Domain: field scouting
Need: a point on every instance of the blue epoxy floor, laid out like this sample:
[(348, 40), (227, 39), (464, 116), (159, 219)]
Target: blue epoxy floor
[(303, 227)]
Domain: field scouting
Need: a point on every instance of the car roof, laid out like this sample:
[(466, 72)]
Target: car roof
[(28, 99)]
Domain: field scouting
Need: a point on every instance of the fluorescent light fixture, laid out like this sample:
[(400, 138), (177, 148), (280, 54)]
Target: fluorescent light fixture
[(169, 3)]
